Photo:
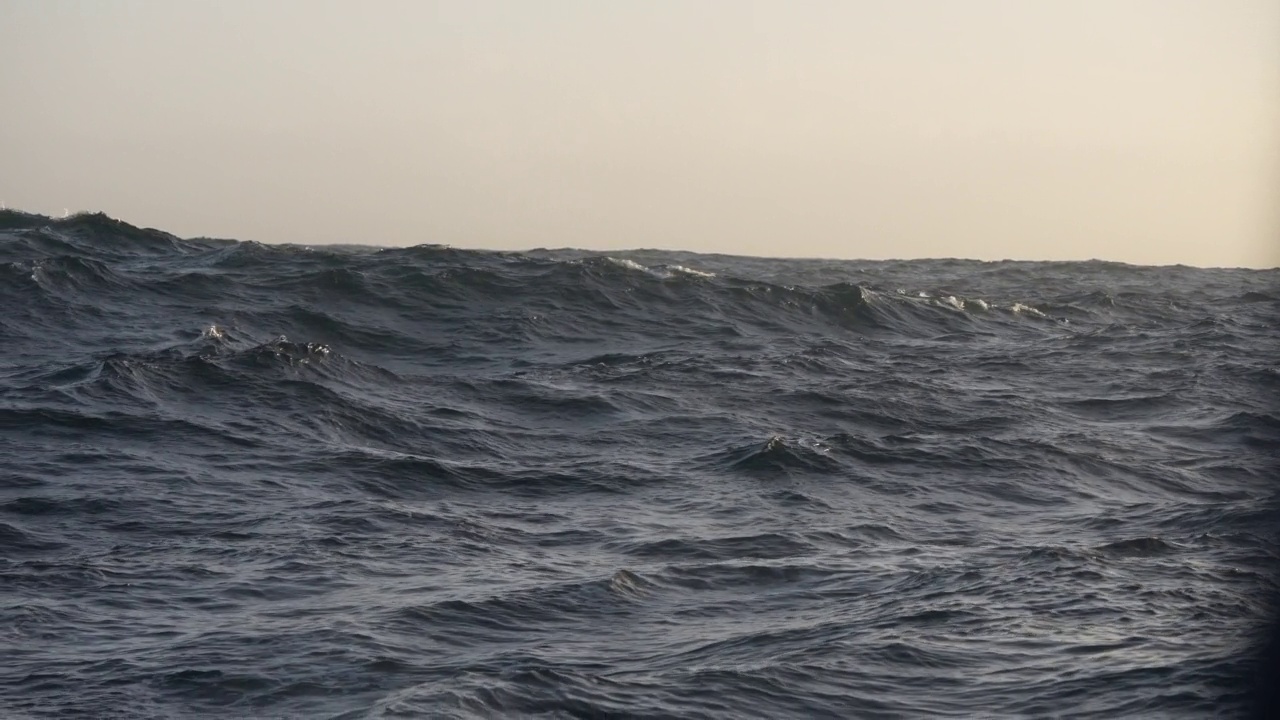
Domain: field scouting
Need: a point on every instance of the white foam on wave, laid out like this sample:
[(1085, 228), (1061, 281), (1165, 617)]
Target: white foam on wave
[(968, 305), (1019, 308), (691, 271), (628, 264), (962, 303), (662, 271)]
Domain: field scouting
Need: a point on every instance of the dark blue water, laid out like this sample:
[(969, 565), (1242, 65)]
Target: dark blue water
[(240, 480)]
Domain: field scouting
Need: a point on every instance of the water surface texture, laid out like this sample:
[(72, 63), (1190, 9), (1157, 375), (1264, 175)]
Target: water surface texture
[(241, 480)]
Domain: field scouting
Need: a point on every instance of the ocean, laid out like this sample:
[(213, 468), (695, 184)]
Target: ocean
[(273, 481)]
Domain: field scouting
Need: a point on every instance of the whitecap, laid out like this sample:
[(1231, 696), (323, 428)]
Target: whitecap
[(1027, 309), (691, 271), (664, 272), (628, 264)]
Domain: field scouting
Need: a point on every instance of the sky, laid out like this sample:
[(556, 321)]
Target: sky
[(1143, 131)]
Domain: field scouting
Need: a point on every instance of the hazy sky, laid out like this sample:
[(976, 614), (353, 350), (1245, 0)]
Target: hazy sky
[(1146, 131)]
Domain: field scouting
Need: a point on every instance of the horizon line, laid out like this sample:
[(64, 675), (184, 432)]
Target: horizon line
[(70, 216)]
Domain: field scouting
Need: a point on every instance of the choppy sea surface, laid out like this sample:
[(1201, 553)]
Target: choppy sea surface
[(243, 480)]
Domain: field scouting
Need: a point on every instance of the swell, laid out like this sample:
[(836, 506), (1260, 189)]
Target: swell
[(93, 256), (82, 260), (249, 479)]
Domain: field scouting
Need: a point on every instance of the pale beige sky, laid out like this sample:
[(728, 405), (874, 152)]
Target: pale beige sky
[(1146, 131)]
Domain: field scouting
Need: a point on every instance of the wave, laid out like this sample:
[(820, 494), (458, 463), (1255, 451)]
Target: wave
[(776, 455), (88, 235), (83, 256), (361, 480)]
